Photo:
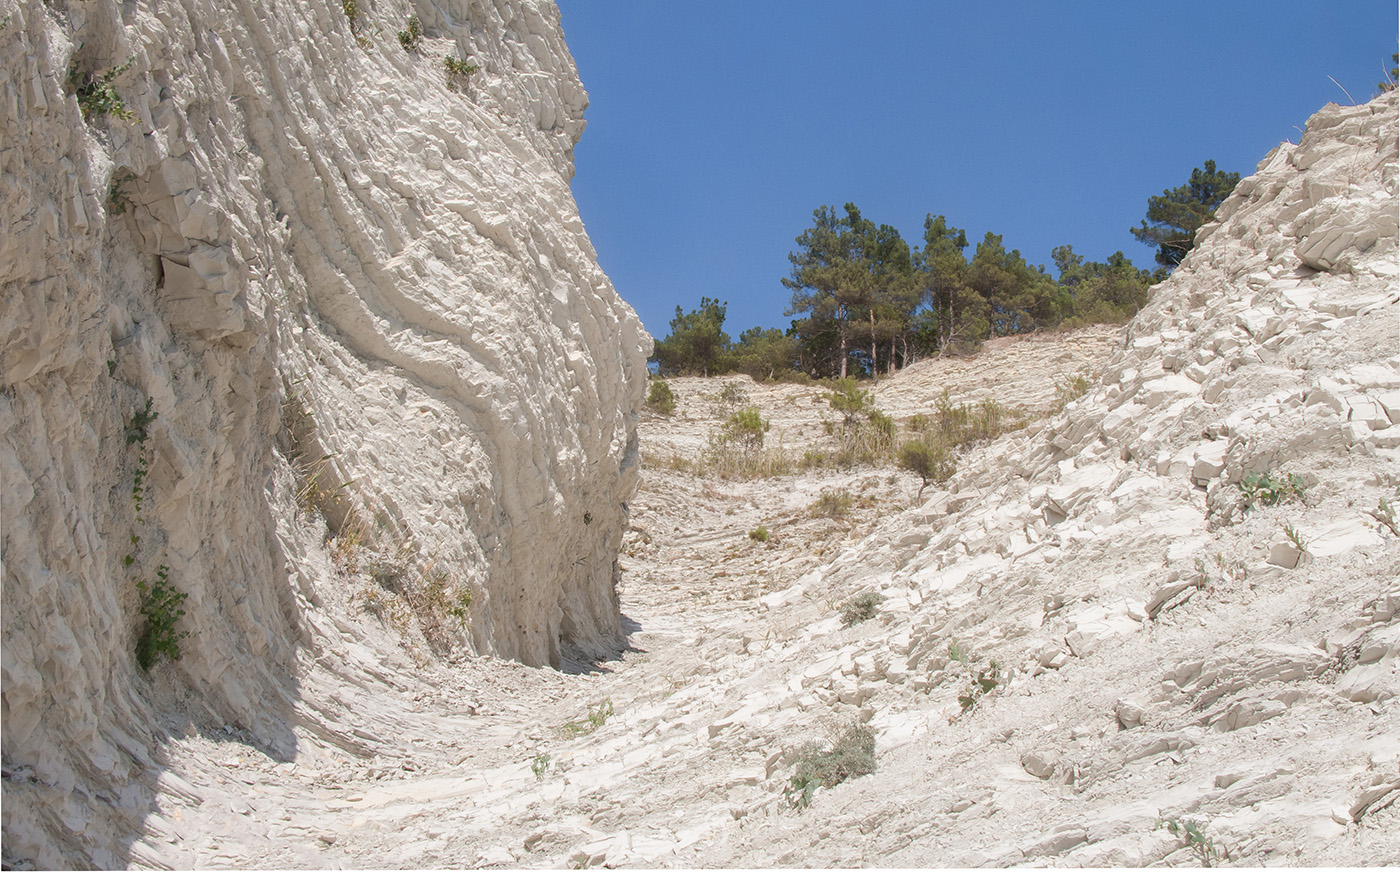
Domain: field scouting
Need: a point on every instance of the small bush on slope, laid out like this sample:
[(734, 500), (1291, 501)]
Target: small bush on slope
[(852, 754), (660, 398)]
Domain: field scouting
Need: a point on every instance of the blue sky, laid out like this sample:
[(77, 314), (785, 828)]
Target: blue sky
[(716, 128)]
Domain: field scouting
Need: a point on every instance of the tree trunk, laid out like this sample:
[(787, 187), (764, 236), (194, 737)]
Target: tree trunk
[(843, 349), (874, 357), (949, 340)]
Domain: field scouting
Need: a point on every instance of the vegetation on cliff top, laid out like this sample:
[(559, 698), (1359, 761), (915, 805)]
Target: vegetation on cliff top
[(864, 301)]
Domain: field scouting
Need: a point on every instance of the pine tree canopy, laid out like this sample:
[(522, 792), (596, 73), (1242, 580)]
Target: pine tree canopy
[(1173, 218)]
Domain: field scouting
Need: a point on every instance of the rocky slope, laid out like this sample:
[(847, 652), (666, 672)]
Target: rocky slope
[(1164, 650), (317, 322), (1162, 654)]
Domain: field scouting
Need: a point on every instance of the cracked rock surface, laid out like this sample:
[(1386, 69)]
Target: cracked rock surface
[(387, 371)]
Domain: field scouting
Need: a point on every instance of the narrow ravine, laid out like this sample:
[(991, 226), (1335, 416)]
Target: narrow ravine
[(481, 761)]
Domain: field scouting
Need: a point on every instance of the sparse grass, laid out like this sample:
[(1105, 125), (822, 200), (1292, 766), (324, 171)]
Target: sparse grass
[(673, 461), (1225, 569), (859, 608), (597, 716), (388, 572), (389, 608), (768, 463), (347, 545), (931, 455), (966, 424), (1271, 490), (851, 755), (438, 596)]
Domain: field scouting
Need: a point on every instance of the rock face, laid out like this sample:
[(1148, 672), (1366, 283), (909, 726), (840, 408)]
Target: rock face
[(314, 299), (1197, 559)]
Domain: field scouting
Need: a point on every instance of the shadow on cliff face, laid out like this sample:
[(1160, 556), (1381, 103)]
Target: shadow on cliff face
[(573, 662)]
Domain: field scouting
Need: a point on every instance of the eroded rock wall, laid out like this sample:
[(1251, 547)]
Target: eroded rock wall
[(357, 296), (1165, 636)]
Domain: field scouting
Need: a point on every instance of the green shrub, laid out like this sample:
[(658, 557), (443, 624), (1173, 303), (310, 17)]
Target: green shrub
[(731, 396), (745, 428), (986, 681), (759, 534), (957, 652), (928, 462), (847, 398), (137, 429), (859, 608), (540, 765), (852, 754), (412, 35), (1271, 490), (1193, 835), (1384, 514), (95, 94), (356, 16), (660, 399), (160, 610), (458, 72), (1070, 389), (460, 605), (832, 504), (1295, 537), (118, 201)]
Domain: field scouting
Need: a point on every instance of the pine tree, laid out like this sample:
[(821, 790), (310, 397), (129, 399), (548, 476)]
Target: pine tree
[(697, 342), (1174, 217)]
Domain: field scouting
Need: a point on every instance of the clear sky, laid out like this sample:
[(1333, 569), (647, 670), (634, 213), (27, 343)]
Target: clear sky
[(715, 128)]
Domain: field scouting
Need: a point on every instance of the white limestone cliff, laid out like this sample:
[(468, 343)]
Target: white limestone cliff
[(362, 306), (1165, 650)]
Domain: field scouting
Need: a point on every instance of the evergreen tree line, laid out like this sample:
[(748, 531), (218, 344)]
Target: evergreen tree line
[(866, 302)]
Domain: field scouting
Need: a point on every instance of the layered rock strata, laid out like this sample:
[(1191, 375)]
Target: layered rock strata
[(1182, 589), (316, 297)]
